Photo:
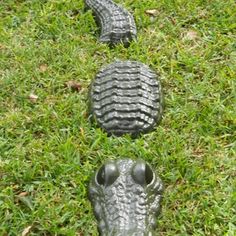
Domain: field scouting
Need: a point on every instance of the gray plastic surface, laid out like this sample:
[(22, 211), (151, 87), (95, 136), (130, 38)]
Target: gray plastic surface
[(116, 23), (126, 196), (126, 98)]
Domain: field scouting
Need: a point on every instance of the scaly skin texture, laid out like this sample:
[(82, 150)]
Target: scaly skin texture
[(126, 196), (126, 98), (117, 24)]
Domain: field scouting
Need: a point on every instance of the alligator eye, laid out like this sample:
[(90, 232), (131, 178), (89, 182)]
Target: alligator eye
[(142, 173), (107, 174)]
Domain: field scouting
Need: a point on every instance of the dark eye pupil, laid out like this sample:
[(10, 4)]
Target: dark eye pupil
[(101, 175), (107, 174), (148, 174), (142, 174)]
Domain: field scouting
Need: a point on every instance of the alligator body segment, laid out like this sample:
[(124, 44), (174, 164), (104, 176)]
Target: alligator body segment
[(126, 196), (116, 23), (126, 98)]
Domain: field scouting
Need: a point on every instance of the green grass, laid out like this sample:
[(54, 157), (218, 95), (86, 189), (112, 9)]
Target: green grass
[(49, 150)]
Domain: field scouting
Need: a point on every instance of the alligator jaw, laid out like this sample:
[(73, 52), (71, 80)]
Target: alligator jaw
[(128, 233), (120, 231)]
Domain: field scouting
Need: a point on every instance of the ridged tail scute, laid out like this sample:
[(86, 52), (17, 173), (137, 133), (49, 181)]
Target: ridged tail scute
[(126, 98), (116, 23)]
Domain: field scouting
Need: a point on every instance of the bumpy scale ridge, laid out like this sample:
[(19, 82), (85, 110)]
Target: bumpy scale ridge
[(117, 24), (126, 206), (126, 98)]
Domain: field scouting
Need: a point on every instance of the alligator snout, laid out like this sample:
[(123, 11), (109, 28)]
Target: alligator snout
[(126, 197)]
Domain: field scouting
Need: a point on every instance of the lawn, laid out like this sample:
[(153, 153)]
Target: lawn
[(48, 147)]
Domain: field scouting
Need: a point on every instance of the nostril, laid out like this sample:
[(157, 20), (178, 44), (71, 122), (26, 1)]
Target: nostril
[(142, 173), (107, 174)]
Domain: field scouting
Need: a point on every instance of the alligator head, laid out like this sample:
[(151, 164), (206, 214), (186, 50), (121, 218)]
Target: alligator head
[(126, 196)]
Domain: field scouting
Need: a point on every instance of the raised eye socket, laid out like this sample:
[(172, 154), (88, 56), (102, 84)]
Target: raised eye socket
[(107, 174), (142, 173)]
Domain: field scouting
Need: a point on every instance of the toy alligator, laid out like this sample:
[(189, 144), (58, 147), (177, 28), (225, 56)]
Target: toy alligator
[(126, 196), (124, 98), (116, 23)]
